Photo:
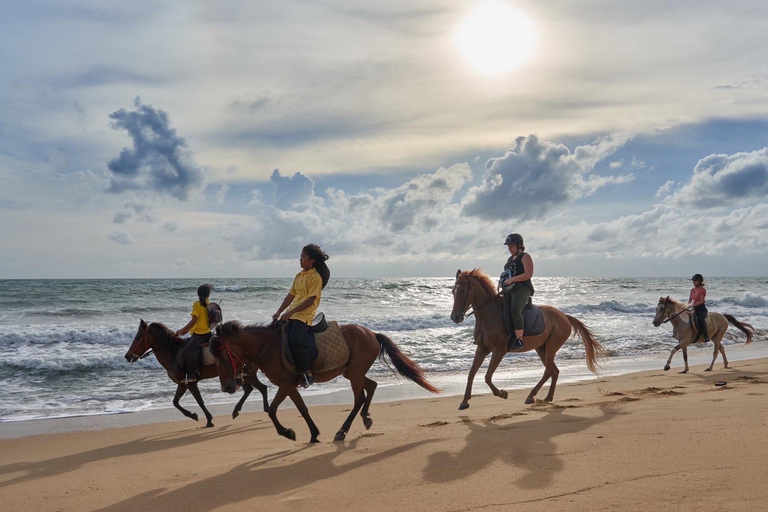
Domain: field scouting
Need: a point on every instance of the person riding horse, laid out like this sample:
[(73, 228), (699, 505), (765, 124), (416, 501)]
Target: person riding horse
[(697, 299), (516, 284)]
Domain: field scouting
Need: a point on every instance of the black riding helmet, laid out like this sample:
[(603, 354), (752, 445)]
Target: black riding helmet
[(513, 239), (697, 277)]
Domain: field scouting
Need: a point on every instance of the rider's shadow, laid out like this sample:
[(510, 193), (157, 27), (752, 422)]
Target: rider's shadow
[(528, 446)]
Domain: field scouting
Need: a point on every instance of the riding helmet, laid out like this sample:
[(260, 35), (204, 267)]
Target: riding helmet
[(697, 277), (513, 239)]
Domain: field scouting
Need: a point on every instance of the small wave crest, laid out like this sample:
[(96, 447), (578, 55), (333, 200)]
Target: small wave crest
[(611, 306), (749, 300)]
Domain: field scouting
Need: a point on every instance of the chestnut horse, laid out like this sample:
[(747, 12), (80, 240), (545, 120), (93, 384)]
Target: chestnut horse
[(162, 341), (474, 289), (669, 310), (237, 346)]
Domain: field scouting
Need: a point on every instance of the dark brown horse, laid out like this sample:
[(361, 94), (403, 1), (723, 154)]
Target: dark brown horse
[(474, 289), (237, 346), (161, 340)]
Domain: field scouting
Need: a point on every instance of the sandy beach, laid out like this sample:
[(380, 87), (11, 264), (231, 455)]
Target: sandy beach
[(650, 440)]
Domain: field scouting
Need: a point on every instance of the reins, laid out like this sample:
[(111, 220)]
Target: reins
[(466, 300), (672, 317)]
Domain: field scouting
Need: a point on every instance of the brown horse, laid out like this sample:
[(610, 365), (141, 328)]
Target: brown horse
[(474, 289), (669, 310), (237, 346), (162, 341)]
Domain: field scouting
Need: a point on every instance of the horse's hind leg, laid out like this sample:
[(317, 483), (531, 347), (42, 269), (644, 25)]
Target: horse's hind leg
[(685, 359), (549, 364), (192, 386), (718, 348), (722, 351), (247, 388), (180, 390), (370, 388), (357, 389)]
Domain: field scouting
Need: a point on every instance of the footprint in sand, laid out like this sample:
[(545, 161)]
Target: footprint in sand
[(435, 424)]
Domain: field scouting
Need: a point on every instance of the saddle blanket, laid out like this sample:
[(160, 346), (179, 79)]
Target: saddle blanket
[(533, 319), (207, 356), (328, 350)]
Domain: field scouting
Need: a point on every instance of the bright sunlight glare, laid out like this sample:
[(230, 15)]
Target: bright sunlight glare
[(496, 38)]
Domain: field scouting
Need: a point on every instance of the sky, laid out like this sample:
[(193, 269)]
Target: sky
[(216, 139)]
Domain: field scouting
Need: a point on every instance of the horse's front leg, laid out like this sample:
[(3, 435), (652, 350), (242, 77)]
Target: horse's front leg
[(480, 355), (192, 386), (282, 392), (671, 355), (180, 390), (496, 358), (247, 389), (299, 403), (357, 383)]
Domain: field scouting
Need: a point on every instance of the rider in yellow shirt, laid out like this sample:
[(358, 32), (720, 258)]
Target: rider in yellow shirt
[(190, 354), (302, 303)]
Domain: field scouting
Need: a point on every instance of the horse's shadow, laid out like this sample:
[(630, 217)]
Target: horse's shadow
[(525, 445), (251, 479), (64, 464)]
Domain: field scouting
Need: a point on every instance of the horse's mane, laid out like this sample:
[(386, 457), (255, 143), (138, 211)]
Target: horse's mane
[(165, 335), (233, 328), (483, 279), (674, 302)]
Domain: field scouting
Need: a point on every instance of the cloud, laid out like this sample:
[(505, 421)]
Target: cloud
[(121, 237), (535, 176), (291, 190), (135, 210), (170, 226), (221, 194), (665, 189), (159, 160), (726, 180)]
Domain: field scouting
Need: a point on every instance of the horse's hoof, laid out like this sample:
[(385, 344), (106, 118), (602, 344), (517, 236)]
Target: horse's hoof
[(208, 425), (290, 434), (340, 436), (463, 405), (314, 440), (708, 370), (666, 368), (368, 422), (530, 400), (194, 416), (235, 414), (547, 400), (503, 394), (684, 371)]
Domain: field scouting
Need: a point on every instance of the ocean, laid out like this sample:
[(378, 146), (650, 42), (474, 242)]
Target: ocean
[(62, 342)]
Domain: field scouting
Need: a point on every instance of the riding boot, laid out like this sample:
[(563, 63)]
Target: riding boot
[(515, 344)]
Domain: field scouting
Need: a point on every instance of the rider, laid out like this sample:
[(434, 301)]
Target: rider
[(188, 357), (304, 298), (696, 300), (520, 269)]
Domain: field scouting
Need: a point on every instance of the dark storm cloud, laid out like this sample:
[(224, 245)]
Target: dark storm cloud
[(159, 160)]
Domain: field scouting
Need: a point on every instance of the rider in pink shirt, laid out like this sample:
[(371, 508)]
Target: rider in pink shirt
[(697, 299)]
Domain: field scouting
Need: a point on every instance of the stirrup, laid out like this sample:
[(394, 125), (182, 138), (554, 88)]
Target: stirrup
[(307, 381), (515, 344)]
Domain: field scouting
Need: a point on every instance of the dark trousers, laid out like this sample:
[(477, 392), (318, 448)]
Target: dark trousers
[(700, 316), (297, 339), (191, 354)]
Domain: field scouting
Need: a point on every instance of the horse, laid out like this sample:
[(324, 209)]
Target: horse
[(474, 289), (670, 310), (237, 345), (162, 341)]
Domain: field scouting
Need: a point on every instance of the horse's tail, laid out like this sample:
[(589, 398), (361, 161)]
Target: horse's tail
[(743, 327), (591, 345), (405, 367)]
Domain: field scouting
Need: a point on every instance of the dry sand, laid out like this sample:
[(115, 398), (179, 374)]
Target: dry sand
[(642, 441)]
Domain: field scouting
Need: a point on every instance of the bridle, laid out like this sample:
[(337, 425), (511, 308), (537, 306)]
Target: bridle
[(232, 359), (673, 316), (145, 341), (467, 302)]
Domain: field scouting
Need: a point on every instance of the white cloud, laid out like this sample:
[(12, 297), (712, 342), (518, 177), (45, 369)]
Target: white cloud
[(121, 237), (535, 176)]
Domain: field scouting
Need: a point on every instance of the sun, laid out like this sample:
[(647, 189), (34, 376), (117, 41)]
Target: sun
[(496, 38)]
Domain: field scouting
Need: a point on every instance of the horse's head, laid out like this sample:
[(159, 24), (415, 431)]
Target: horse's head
[(140, 344), (463, 295), (229, 362), (662, 310)]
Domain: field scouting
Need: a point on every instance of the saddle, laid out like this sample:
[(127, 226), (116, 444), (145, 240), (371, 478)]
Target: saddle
[(328, 350), (695, 325), (533, 319)]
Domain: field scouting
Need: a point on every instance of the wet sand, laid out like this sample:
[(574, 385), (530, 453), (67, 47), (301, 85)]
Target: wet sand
[(650, 440)]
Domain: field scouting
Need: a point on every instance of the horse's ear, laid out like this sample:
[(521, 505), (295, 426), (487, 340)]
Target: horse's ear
[(458, 273), (142, 323)]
